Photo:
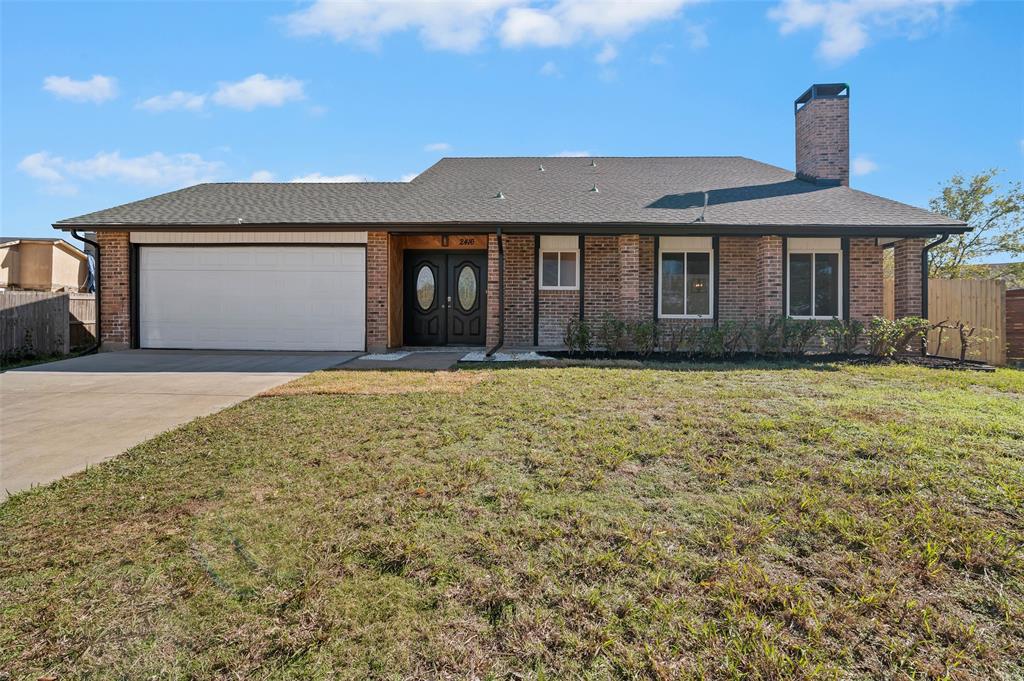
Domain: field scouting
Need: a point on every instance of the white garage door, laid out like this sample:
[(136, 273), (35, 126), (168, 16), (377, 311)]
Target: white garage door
[(252, 297)]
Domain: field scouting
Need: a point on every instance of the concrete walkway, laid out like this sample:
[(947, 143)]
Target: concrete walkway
[(57, 418)]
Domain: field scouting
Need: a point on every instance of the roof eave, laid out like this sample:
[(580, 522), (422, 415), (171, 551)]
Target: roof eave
[(655, 228)]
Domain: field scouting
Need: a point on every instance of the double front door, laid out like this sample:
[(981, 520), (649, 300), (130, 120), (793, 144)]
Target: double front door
[(445, 298)]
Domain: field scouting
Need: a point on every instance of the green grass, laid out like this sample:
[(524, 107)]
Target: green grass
[(722, 522)]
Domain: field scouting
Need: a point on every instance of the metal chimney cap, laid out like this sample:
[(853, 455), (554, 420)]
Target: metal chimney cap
[(499, 195), (595, 190)]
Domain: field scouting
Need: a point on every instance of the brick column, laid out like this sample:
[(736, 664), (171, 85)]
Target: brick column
[(907, 277), (769, 274), (866, 279), (115, 299), (629, 276), (376, 291), (492, 290)]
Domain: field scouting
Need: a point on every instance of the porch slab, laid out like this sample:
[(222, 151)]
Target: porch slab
[(429, 360)]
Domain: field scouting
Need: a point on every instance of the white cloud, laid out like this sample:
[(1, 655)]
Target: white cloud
[(258, 90), (155, 169), (863, 165), (550, 69), (572, 154), (607, 54), (409, 177), (459, 25), (40, 165), (317, 177), (186, 101), (463, 25), (438, 146), (262, 176), (698, 36), (569, 21), (97, 89), (317, 111), (847, 25)]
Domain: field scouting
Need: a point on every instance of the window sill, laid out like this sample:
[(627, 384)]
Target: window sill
[(685, 316), (558, 288), (813, 318)]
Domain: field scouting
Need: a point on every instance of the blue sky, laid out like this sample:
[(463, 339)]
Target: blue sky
[(105, 103)]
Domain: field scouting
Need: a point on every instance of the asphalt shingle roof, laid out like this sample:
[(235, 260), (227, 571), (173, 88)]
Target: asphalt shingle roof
[(630, 190)]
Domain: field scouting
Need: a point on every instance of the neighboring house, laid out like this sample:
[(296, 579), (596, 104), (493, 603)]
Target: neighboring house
[(483, 251), (34, 264)]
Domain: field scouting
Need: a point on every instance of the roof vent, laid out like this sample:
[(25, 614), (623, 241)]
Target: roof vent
[(593, 163), (499, 195), (594, 189), (541, 168), (239, 220)]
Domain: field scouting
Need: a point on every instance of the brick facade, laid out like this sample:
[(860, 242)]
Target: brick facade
[(629, 277), (739, 298), (907, 277), (866, 286), (115, 296), (769, 277), (556, 309), (601, 279), (823, 140), (519, 288), (619, 279), (376, 291)]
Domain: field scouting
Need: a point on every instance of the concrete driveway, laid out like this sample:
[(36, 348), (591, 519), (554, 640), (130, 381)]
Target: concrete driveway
[(57, 418)]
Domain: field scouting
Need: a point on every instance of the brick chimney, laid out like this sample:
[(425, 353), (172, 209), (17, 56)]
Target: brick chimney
[(823, 134)]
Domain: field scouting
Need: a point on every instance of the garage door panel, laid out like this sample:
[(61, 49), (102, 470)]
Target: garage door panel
[(252, 297)]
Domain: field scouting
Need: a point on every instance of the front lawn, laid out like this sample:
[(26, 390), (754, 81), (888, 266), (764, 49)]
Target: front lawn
[(734, 521)]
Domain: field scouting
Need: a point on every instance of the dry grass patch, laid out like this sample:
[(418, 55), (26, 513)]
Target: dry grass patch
[(726, 522), (342, 382)]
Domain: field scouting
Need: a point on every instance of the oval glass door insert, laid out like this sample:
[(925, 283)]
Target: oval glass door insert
[(425, 287), (467, 288)]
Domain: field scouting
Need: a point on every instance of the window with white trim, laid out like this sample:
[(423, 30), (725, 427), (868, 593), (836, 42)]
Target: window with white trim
[(559, 263), (814, 278), (685, 278)]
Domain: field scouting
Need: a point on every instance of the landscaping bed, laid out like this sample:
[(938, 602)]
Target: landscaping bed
[(824, 520), (930, 361)]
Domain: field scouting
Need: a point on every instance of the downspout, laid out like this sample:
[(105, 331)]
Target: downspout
[(99, 328), (924, 285), (501, 297)]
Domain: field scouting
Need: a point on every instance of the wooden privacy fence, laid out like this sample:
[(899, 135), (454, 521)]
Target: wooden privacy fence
[(33, 323), (41, 323), (1015, 324), (978, 302), (82, 319)]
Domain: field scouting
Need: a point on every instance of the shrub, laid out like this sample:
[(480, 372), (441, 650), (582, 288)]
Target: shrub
[(888, 337), (712, 342), (797, 335), (767, 337), (842, 336), (645, 336), (577, 336), (612, 334), (781, 336), (734, 337)]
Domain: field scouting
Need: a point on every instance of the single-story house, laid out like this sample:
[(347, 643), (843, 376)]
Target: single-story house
[(42, 264), (490, 251)]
